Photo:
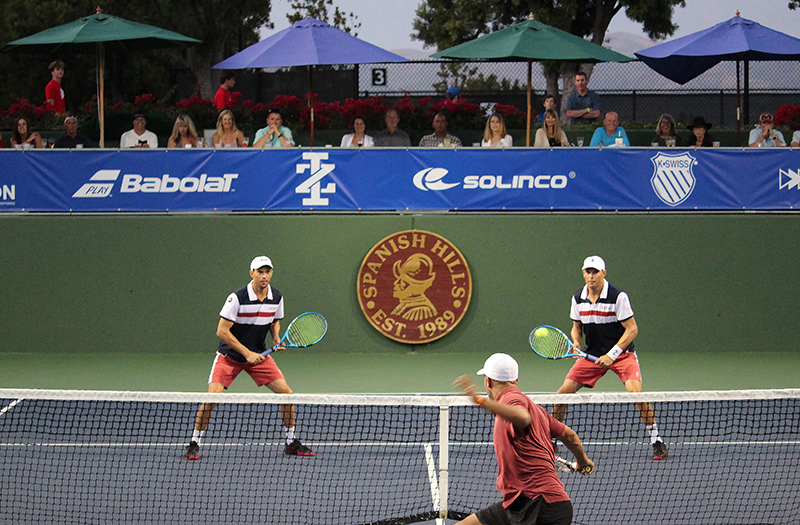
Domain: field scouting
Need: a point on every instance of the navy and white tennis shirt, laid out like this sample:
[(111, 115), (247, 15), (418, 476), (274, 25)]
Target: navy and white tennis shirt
[(602, 326), (251, 319)]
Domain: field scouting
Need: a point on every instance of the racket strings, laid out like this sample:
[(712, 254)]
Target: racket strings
[(307, 330), (550, 343)]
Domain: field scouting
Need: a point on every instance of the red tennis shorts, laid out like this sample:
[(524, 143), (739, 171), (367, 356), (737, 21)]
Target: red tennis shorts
[(587, 373), (224, 371)]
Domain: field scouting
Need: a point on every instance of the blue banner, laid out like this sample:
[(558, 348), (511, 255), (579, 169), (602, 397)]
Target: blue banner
[(399, 179)]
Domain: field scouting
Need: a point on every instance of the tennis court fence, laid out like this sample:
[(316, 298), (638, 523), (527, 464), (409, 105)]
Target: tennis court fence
[(117, 457)]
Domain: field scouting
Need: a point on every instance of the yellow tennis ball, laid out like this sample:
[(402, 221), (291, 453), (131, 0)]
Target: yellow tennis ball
[(540, 332)]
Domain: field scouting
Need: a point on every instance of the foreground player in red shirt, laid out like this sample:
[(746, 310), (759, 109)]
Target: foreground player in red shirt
[(532, 492)]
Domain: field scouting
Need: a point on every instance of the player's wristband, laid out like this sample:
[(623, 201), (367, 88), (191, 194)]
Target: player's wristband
[(615, 352)]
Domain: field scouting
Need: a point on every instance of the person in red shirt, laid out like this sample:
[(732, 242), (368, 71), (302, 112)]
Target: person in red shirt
[(53, 92), (223, 99), (532, 492)]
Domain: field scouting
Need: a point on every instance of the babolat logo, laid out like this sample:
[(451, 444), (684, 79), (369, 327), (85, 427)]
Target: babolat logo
[(102, 182), (430, 179), (789, 179), (673, 180)]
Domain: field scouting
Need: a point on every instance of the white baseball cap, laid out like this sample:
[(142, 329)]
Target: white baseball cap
[(260, 261), (594, 261), (500, 367)]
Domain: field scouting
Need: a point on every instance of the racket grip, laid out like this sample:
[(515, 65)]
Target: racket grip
[(268, 351), (592, 358)]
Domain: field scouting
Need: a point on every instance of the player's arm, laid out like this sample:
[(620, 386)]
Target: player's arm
[(275, 330), (516, 415), (577, 334), (227, 337), (571, 440), (631, 331)]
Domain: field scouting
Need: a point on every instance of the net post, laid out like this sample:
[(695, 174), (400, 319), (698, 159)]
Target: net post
[(444, 434)]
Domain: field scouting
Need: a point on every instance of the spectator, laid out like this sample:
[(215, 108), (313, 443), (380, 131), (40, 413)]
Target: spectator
[(71, 138), (227, 134), (275, 135), (138, 137), (224, 99), (548, 103), (795, 139), (700, 139), (665, 129), (392, 136), (583, 104), (494, 136), (2, 144), (452, 93), (53, 92), (358, 139), (23, 137), (550, 135), (440, 136), (184, 134), (611, 134), (764, 136)]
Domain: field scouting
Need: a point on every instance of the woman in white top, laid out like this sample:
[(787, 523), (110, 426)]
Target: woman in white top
[(227, 134), (359, 139), (550, 135), (494, 136)]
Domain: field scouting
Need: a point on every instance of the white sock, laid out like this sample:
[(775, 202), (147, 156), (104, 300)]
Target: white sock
[(197, 435), (289, 435), (653, 431)]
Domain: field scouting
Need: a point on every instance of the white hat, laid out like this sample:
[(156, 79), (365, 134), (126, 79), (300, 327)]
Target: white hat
[(260, 261), (500, 367), (594, 261)]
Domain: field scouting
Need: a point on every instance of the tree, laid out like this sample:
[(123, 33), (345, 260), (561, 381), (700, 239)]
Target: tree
[(446, 23)]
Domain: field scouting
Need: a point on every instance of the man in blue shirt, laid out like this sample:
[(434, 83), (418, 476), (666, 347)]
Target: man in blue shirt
[(583, 104), (611, 134), (275, 135)]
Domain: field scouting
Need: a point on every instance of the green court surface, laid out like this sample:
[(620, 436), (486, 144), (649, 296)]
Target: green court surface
[(319, 370)]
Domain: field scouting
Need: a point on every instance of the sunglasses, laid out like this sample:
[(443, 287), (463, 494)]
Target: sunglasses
[(766, 117)]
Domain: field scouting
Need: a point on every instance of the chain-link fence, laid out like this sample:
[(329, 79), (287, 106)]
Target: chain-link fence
[(633, 90)]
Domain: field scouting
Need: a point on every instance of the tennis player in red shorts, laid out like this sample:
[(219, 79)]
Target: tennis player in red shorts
[(602, 312), (249, 315), (532, 492)]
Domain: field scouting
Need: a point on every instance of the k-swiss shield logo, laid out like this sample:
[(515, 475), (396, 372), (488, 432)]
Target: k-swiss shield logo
[(673, 180), (414, 286)]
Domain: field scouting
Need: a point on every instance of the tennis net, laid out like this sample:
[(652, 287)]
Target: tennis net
[(117, 457)]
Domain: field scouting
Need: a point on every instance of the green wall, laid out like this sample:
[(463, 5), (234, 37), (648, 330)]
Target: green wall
[(148, 283)]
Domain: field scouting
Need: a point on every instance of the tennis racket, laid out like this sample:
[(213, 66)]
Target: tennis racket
[(571, 466), (305, 330), (551, 343)]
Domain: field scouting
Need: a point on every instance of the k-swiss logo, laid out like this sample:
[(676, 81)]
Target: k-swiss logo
[(673, 180), (414, 286), (313, 184)]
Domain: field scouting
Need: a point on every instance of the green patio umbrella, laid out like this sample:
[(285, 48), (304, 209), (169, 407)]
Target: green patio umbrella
[(531, 41), (98, 33)]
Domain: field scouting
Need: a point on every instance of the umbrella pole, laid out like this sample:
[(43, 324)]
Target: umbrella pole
[(311, 99), (738, 105), (101, 97), (528, 129)]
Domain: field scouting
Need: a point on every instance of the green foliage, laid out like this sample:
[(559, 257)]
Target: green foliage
[(347, 22)]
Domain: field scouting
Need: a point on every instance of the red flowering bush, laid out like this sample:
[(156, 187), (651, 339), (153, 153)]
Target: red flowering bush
[(788, 115), (41, 117)]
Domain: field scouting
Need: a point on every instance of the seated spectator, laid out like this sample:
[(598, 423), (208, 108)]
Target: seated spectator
[(223, 99), (184, 134), (138, 137), (665, 129), (549, 103), (795, 139), (23, 137), (494, 135), (275, 135), (359, 139), (763, 136), (71, 138), (227, 134), (440, 136), (610, 132), (392, 136), (699, 127), (2, 144), (550, 135)]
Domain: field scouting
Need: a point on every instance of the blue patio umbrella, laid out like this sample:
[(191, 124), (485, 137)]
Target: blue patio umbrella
[(309, 42), (738, 39)]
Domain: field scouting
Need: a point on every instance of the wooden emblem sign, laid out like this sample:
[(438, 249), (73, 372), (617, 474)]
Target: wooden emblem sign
[(414, 286)]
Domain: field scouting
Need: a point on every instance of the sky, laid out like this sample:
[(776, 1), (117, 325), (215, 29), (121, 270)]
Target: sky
[(388, 23)]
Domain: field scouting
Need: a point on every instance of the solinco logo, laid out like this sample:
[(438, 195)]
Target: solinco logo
[(414, 286)]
